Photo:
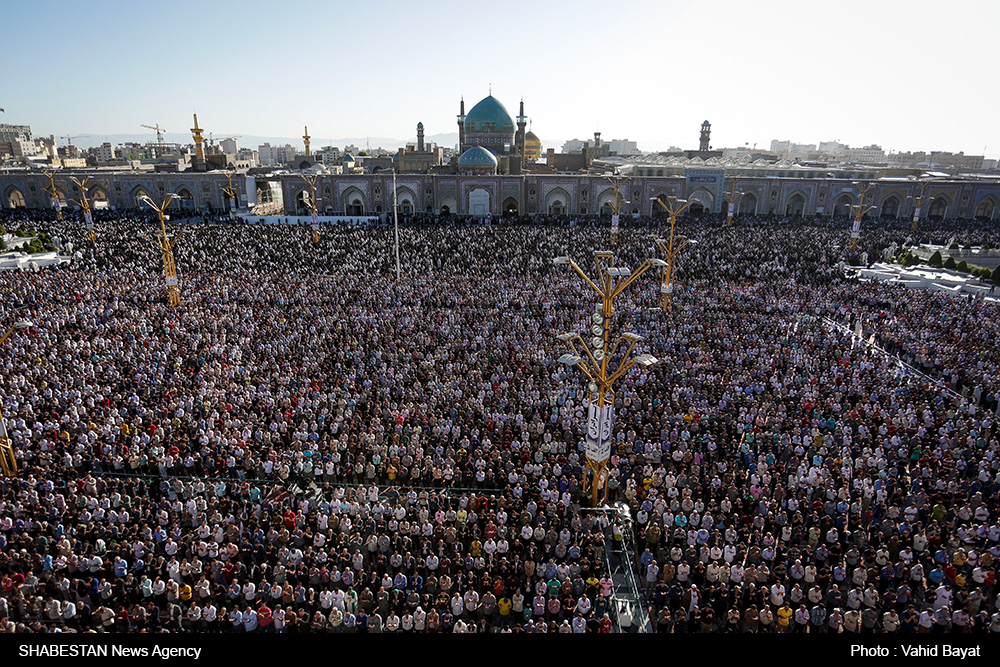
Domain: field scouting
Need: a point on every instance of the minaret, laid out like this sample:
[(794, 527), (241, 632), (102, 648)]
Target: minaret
[(196, 132), (706, 130), (522, 121), (305, 138), (461, 126), (420, 137)]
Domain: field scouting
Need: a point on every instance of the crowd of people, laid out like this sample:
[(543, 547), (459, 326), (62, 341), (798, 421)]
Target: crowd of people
[(307, 444)]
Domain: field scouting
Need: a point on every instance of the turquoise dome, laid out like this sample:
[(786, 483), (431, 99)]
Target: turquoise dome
[(489, 116), (477, 156)]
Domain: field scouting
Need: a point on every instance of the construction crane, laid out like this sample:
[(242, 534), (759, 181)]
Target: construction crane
[(159, 132), (211, 142), (69, 139)]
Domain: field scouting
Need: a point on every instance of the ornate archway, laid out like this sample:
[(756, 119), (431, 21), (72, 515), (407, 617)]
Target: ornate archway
[(657, 210), (136, 195), (510, 208), (702, 201), (557, 202), (842, 206), (986, 208), (447, 205), (353, 201), (14, 198), (795, 205), (747, 205), (479, 202), (890, 207), (937, 209), (186, 201)]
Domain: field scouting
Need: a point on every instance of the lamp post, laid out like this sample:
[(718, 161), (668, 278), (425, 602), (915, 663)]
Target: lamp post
[(676, 207), (616, 180), (732, 202), (8, 462), (167, 247), (231, 193), (312, 207), (859, 212), (85, 205), (916, 210), (595, 360), (54, 193)]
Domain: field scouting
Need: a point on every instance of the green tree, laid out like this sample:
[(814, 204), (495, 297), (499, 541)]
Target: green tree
[(950, 263), (936, 260)]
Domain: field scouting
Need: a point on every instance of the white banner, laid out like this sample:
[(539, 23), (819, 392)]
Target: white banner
[(857, 227), (732, 209), (916, 213), (89, 219), (614, 223), (171, 282), (600, 422)]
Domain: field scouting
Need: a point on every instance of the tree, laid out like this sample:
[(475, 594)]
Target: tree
[(963, 266), (950, 263), (996, 275), (936, 261)]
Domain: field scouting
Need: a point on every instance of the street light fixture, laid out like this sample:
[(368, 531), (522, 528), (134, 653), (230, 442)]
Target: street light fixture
[(231, 193), (167, 247), (732, 201), (595, 358), (920, 199), (85, 205), (859, 212), (312, 206), (667, 247), (54, 193), (8, 462), (616, 180)]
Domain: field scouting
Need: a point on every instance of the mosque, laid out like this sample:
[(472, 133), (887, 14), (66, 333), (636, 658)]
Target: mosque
[(495, 175), (490, 141)]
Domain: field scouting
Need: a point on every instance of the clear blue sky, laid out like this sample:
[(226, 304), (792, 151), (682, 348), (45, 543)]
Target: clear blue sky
[(915, 75)]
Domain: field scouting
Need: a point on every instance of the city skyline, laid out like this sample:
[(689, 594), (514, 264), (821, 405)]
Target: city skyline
[(853, 74)]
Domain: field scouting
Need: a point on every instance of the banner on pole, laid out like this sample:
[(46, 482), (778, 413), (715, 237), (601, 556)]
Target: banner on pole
[(600, 422)]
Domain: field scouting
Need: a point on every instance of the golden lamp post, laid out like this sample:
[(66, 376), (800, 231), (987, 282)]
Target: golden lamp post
[(616, 208), (594, 361), (859, 212), (54, 193), (916, 210), (733, 196), (231, 193), (671, 247), (312, 206), (8, 462), (166, 246), (85, 205)]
